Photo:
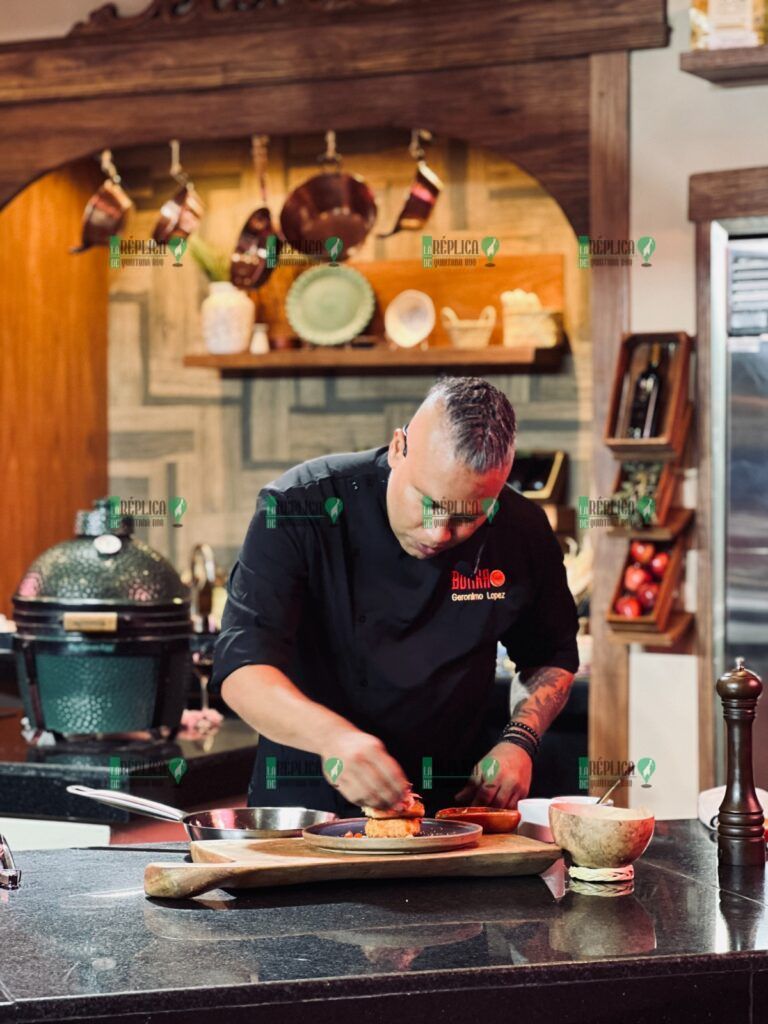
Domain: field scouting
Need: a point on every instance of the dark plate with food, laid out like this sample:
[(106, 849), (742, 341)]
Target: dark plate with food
[(348, 835)]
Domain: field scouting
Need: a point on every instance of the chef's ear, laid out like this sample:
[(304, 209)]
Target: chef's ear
[(398, 446)]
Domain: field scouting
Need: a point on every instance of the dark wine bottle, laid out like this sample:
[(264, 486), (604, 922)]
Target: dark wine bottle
[(646, 400)]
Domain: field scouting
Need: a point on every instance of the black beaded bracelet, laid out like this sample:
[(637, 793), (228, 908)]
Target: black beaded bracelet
[(520, 740), (526, 728), (513, 734)]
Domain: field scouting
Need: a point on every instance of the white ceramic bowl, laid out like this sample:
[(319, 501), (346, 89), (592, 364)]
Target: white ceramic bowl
[(409, 318)]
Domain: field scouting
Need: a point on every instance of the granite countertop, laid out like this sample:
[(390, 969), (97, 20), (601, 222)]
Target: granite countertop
[(80, 939)]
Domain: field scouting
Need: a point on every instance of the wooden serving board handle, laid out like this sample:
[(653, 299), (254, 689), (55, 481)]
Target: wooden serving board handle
[(278, 862), (182, 881)]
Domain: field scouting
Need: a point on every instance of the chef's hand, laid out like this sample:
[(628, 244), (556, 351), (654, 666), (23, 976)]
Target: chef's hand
[(368, 775), (501, 784)]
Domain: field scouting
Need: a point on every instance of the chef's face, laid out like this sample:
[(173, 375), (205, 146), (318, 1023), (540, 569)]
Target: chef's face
[(435, 501)]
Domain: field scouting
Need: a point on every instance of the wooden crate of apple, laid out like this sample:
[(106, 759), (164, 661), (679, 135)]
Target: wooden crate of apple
[(646, 589)]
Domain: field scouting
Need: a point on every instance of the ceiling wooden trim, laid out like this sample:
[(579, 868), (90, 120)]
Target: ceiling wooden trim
[(537, 115), (510, 75), (304, 40), (738, 193)]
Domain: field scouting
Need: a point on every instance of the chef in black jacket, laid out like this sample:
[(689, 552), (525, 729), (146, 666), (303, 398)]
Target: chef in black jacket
[(359, 636)]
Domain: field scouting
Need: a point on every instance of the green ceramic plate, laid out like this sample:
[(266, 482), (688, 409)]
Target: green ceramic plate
[(330, 305)]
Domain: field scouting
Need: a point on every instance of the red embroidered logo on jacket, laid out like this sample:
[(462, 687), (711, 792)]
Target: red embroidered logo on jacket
[(482, 580)]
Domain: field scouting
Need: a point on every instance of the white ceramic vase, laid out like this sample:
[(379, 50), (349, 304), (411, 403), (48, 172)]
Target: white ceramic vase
[(228, 316)]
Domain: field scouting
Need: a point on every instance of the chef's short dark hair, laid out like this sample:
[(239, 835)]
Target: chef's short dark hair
[(481, 421)]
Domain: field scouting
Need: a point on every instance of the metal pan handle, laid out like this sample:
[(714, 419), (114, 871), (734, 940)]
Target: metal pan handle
[(137, 804)]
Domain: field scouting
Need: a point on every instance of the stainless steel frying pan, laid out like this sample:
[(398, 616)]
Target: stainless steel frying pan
[(221, 823)]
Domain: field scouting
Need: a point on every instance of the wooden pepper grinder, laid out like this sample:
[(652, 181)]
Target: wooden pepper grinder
[(740, 827)]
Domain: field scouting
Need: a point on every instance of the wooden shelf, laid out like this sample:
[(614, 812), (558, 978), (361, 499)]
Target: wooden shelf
[(332, 361), (678, 626), (678, 520), (747, 65)]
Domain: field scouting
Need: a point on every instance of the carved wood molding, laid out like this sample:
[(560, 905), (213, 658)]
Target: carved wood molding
[(107, 19)]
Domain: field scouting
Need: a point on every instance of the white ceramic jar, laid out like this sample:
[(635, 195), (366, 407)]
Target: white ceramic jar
[(228, 316)]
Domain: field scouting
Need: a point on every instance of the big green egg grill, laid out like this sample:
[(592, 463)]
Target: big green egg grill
[(103, 634)]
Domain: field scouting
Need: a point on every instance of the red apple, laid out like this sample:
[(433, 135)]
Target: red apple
[(647, 595), (642, 551), (659, 564), (635, 576), (628, 606)]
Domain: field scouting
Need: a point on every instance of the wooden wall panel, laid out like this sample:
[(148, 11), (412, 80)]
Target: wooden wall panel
[(301, 40), (609, 206), (53, 361)]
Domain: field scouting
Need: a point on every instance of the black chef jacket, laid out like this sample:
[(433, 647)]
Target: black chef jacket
[(403, 648)]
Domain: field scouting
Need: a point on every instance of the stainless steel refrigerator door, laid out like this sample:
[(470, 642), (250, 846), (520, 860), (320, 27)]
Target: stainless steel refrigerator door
[(746, 550)]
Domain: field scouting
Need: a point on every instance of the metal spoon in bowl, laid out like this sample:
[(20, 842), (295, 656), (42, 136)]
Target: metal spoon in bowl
[(628, 771)]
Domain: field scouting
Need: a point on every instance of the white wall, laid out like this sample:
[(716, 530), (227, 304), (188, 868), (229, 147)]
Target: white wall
[(680, 125), (20, 19)]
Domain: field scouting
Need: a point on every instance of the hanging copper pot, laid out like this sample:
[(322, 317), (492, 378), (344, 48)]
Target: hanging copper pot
[(180, 215), (424, 191), (258, 247), (330, 215), (106, 210)]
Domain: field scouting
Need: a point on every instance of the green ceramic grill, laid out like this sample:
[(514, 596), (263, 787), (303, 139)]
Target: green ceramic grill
[(103, 634)]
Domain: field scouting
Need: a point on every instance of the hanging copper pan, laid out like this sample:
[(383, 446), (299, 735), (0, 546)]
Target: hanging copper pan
[(106, 210), (180, 215), (258, 247), (329, 205)]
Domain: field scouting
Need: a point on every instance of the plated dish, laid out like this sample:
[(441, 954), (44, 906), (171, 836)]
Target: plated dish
[(433, 837)]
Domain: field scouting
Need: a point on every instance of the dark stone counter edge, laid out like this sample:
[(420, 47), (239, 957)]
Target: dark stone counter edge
[(296, 993)]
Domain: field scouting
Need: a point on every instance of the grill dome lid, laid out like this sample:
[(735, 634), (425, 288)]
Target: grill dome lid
[(103, 565)]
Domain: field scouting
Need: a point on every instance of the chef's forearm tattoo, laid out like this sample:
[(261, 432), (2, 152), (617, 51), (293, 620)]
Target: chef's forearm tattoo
[(548, 690)]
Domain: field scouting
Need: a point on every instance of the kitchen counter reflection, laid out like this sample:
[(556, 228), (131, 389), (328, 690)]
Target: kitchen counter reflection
[(82, 931)]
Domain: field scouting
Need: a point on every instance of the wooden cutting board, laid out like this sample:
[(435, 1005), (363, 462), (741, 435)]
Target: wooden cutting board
[(264, 863)]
